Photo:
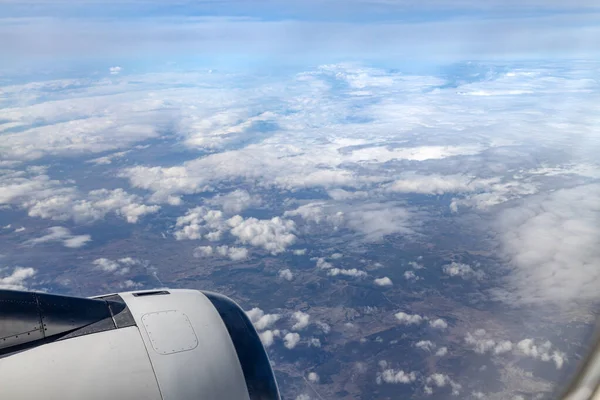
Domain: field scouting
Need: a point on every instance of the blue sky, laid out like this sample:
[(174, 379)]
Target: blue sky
[(275, 33)]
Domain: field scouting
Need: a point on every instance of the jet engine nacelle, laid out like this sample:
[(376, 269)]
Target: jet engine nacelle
[(162, 344)]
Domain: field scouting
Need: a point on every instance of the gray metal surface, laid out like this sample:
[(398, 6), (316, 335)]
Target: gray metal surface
[(29, 319), (174, 344), (20, 320), (170, 332), (211, 370), (107, 365)]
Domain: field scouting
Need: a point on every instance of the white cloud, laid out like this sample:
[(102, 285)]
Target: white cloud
[(50, 199), (233, 253), (70, 129), (372, 220), (236, 201), (199, 222), (299, 252), (63, 235), (107, 160), (346, 272), (21, 229), (395, 376), (377, 220), (464, 271), (274, 235), (426, 345), (385, 281), (408, 319), (419, 153), (481, 343), (552, 243), (302, 320), (95, 206), (442, 351), (118, 267), (503, 346), (322, 264), (303, 396), (496, 192), (129, 284), (542, 351), (268, 337), (115, 70), (438, 324), (15, 280), (435, 184), (290, 340), (323, 326), (313, 377), (415, 265), (261, 320), (286, 274), (442, 380), (410, 276), (314, 342)]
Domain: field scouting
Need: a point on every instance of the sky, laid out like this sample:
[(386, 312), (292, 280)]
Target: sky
[(291, 33)]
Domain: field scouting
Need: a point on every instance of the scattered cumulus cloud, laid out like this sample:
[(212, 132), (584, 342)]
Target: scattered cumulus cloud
[(15, 279), (394, 376), (301, 319), (442, 351), (426, 345), (130, 285), (410, 276), (268, 337), (64, 236), (325, 327), (261, 320), (438, 323), (464, 271), (290, 340), (313, 377), (200, 222), (481, 342), (273, 235), (408, 319), (542, 351), (322, 264), (353, 272), (121, 266), (385, 281), (286, 274), (94, 207), (233, 253), (441, 381)]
